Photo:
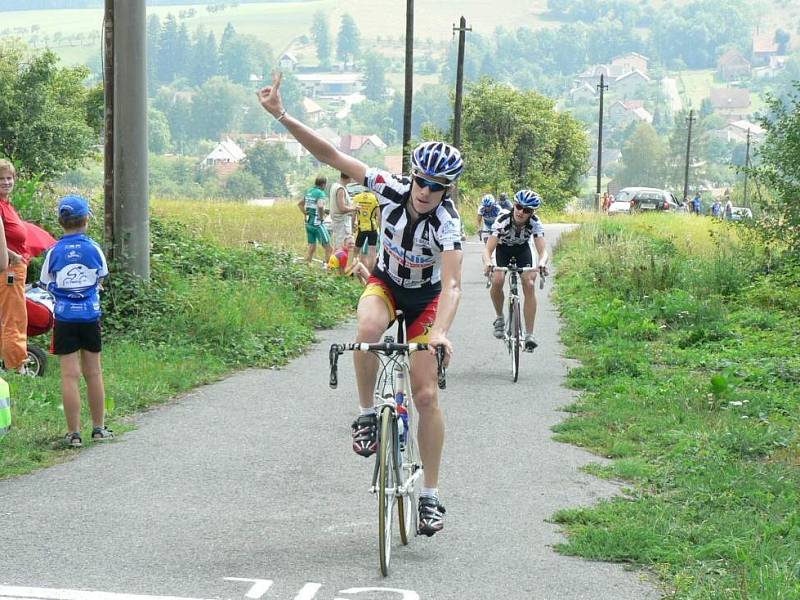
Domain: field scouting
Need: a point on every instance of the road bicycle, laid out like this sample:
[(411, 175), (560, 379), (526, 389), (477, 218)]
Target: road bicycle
[(513, 338), (397, 462)]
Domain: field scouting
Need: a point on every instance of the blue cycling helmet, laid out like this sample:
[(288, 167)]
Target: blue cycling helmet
[(488, 201), (527, 198), (437, 159)]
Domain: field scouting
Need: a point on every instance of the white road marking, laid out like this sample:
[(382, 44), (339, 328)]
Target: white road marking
[(32, 593), (308, 592), (406, 594), (258, 589)]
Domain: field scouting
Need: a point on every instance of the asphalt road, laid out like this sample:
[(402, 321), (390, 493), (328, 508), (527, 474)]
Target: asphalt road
[(248, 488)]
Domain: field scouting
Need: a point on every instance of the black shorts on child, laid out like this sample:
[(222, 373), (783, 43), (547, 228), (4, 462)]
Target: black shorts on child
[(69, 337)]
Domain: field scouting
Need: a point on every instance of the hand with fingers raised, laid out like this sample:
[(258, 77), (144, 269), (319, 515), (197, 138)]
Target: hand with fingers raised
[(270, 98)]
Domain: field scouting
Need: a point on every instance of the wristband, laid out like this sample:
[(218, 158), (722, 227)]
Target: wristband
[(281, 116)]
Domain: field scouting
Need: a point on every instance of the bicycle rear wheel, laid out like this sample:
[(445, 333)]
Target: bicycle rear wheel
[(514, 339), (387, 482)]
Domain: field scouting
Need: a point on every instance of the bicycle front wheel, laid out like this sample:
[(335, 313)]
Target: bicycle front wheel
[(387, 486), (407, 503), (514, 339)]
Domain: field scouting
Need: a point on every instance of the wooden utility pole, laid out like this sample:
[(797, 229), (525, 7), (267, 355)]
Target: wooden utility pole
[(746, 166), (602, 87), (690, 120), (461, 29), (108, 93), (409, 91)]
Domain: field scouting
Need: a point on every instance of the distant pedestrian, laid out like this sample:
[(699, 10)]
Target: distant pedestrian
[(606, 204), (367, 221), (728, 210), (73, 270), (716, 208), (342, 210), (312, 205), (697, 204)]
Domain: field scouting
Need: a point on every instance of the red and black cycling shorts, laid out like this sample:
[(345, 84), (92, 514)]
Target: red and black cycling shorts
[(419, 305)]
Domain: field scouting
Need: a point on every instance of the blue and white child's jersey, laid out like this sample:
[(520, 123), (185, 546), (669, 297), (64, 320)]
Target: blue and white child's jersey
[(72, 271), (489, 214)]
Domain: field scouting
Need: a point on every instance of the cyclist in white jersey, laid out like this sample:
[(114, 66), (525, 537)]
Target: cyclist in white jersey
[(418, 271), (511, 235)]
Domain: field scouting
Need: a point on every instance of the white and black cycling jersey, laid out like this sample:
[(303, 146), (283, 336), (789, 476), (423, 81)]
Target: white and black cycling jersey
[(411, 252), (507, 233)]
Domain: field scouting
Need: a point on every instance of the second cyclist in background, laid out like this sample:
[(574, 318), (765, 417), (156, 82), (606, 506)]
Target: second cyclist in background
[(487, 213), (503, 202), (511, 238)]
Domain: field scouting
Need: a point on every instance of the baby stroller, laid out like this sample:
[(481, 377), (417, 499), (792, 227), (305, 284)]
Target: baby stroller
[(40, 304)]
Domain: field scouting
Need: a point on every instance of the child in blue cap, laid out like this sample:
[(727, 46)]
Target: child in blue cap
[(73, 270)]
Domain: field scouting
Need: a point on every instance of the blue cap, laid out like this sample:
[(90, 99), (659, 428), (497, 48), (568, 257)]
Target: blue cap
[(73, 206)]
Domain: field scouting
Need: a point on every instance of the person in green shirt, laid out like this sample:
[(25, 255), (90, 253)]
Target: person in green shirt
[(312, 206)]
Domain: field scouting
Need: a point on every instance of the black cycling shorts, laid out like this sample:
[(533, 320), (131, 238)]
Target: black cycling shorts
[(371, 237), (69, 337), (522, 252)]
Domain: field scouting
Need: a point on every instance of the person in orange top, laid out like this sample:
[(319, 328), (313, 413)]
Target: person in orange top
[(13, 315)]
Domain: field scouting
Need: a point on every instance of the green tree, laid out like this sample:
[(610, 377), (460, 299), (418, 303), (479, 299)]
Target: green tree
[(168, 50), (217, 108), (374, 76), (348, 41), (44, 112), (153, 40), (158, 133), (322, 38), (779, 170), (243, 185), (643, 158), (547, 150), (270, 163), (205, 57)]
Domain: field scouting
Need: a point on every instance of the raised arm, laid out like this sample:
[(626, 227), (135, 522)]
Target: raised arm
[(319, 147)]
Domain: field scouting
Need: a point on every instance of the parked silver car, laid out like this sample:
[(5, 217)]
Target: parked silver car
[(645, 199)]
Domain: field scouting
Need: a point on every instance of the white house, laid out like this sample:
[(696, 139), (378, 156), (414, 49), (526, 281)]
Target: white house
[(631, 61), (630, 84), (736, 131), (226, 152), (287, 61), (583, 92), (314, 112), (292, 146)]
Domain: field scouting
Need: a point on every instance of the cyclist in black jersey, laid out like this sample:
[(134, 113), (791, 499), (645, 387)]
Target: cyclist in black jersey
[(511, 238), (418, 271)]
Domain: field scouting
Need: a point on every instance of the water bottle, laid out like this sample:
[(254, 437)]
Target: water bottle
[(399, 399)]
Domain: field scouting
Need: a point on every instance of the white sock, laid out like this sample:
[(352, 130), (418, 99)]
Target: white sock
[(429, 493), (368, 411)]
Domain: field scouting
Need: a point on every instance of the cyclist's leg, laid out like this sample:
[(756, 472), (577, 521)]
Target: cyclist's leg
[(430, 431), (529, 307), (375, 313)]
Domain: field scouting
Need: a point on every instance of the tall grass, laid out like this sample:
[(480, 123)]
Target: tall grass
[(208, 309), (690, 374)]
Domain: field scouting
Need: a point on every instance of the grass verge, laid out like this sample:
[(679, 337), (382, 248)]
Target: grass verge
[(688, 342), (208, 310)]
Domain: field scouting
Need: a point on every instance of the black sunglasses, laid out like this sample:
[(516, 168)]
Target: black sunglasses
[(435, 186), (526, 209)]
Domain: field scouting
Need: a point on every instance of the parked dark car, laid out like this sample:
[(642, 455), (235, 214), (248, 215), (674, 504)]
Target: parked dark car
[(644, 199)]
